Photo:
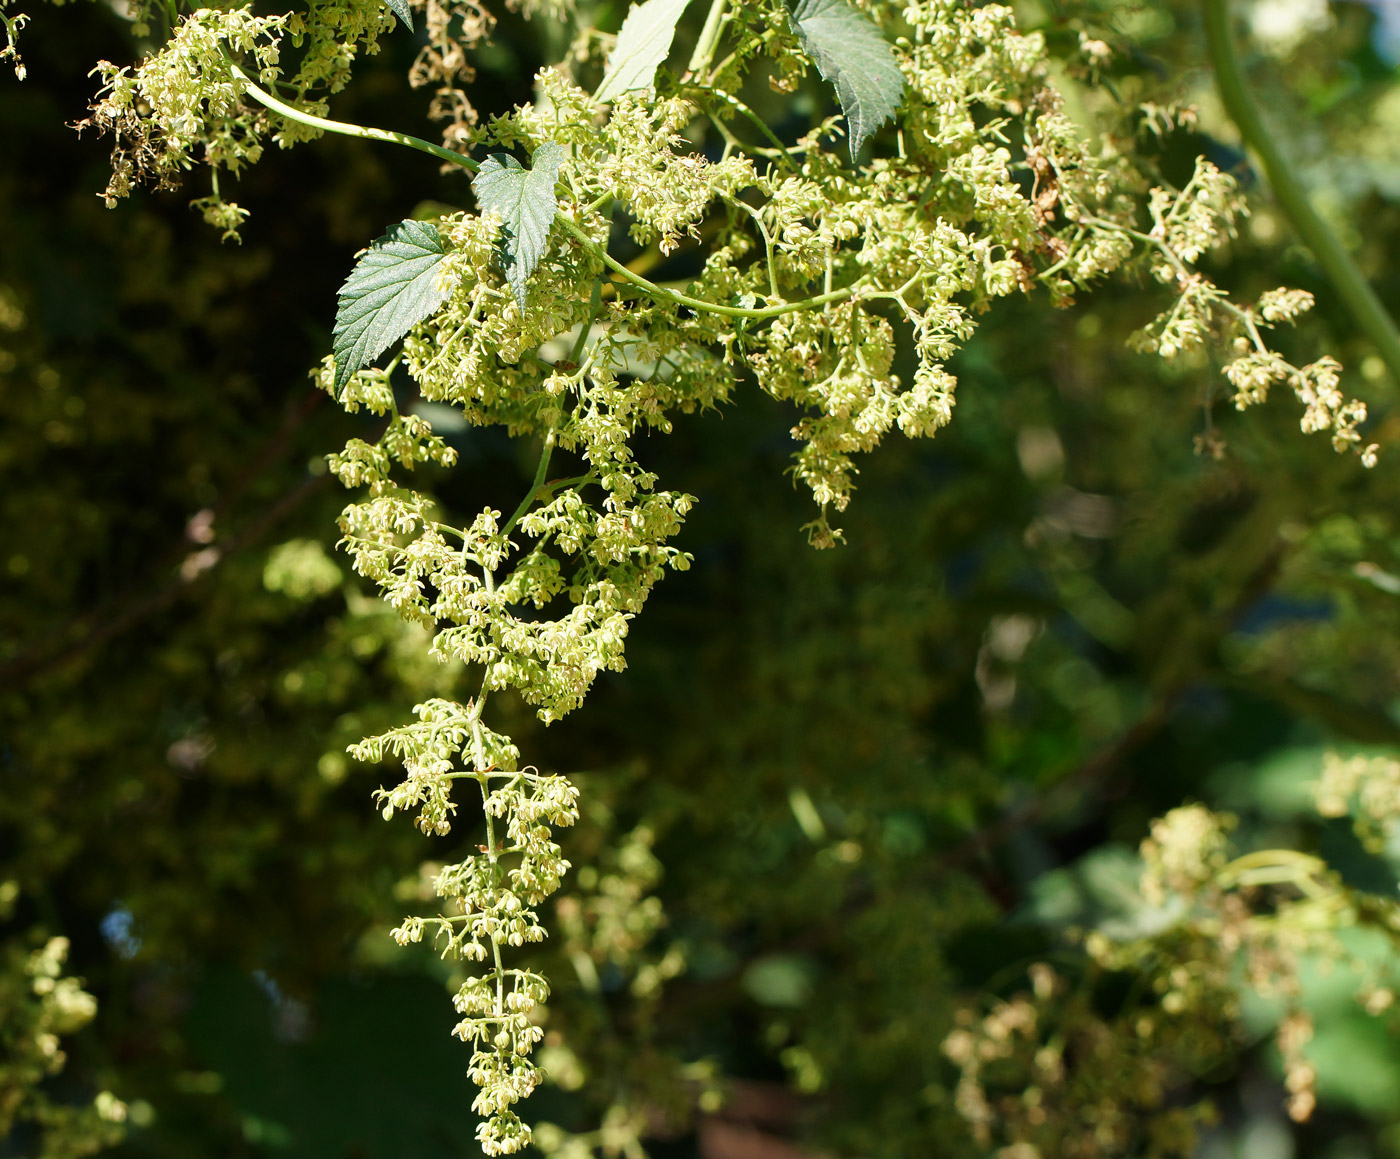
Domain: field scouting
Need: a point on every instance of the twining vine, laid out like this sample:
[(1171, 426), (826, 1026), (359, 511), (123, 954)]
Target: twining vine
[(951, 178)]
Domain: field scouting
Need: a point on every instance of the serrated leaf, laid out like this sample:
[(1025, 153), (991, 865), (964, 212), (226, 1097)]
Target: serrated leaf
[(392, 288), (525, 202), (852, 54), (400, 9), (643, 42)]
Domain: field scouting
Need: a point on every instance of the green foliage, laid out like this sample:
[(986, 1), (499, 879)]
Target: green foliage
[(391, 289), (524, 201), (643, 43), (850, 52)]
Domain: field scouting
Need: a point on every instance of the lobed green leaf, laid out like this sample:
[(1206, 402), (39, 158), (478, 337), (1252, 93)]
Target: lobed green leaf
[(642, 44), (850, 52), (525, 202), (392, 288)]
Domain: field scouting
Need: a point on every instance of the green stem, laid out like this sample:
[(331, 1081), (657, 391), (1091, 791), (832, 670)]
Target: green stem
[(366, 133), (493, 857), (709, 38), (576, 481), (767, 243), (534, 487), (263, 97), (1351, 287), (739, 106), (751, 45), (695, 303), (594, 301)]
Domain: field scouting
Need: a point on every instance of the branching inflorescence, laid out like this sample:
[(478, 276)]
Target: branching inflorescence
[(1207, 922), (817, 258)]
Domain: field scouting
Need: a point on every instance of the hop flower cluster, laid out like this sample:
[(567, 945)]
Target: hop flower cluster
[(12, 24), (39, 1005), (1367, 789), (490, 899), (1214, 924), (1045, 1073), (186, 98)]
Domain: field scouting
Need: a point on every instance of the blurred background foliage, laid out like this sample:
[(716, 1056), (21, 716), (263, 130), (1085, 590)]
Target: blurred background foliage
[(837, 798)]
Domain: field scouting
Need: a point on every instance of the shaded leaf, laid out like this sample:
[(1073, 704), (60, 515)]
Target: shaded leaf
[(525, 202), (400, 9), (850, 52), (392, 288), (642, 44)]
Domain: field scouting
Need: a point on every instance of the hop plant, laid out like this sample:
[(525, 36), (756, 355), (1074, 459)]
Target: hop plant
[(952, 178)]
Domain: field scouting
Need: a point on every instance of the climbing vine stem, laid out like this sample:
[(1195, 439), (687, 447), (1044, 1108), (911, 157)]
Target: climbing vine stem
[(345, 128), (1355, 292)]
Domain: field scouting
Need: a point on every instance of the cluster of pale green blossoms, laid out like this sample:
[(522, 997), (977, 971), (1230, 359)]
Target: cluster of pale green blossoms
[(1208, 928), (1367, 789), (39, 1005), (808, 264)]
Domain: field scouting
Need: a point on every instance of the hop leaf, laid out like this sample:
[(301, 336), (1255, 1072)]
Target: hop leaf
[(392, 288), (642, 44), (525, 202), (850, 52), (400, 9)]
